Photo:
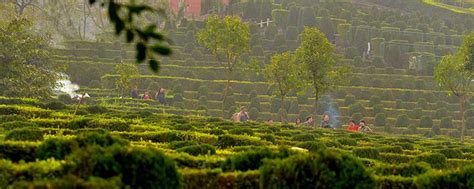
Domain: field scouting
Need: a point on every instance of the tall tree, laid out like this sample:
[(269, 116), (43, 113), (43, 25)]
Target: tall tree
[(127, 72), (25, 70), (317, 58), (226, 38), (455, 73), (21, 6), (283, 75)]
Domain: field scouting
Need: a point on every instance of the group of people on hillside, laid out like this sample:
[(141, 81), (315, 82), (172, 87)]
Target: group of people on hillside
[(159, 95), (243, 116)]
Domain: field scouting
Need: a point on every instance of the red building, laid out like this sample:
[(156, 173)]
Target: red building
[(193, 7)]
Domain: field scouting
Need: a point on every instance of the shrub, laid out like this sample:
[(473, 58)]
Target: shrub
[(426, 122), (452, 153), (357, 61), (96, 109), (349, 100), (312, 146), (366, 152), (203, 91), (148, 168), (379, 108), (356, 81), (436, 160), (356, 108), (109, 124), (422, 103), (378, 62), (374, 99), (25, 134), (269, 138), (405, 169), (178, 89), (446, 122), (56, 148), (11, 118), (469, 113), (241, 131), (380, 120), (225, 141), (470, 123), (399, 104), (17, 125), (178, 97), (350, 53), (55, 105), (179, 144), (99, 139), (402, 121), (420, 84), (436, 130), (441, 112), (416, 113), (347, 141), (447, 179), (253, 159), (196, 150), (304, 137), (254, 113), (326, 169), (16, 151)]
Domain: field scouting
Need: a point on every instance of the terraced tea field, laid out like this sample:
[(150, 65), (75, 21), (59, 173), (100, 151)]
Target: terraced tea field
[(122, 144)]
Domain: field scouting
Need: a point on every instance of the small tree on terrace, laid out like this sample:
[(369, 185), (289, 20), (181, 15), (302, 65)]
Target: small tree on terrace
[(127, 72), (455, 73), (226, 38), (282, 75), (317, 59)]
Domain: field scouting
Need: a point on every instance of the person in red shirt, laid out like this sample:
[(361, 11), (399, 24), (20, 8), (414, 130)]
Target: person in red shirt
[(146, 96), (353, 127)]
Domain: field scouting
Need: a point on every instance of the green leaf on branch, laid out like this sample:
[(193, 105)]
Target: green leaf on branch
[(154, 65), (161, 49), (141, 52)]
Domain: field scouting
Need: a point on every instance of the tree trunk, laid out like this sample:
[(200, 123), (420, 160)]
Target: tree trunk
[(463, 124), (226, 91), (316, 99), (282, 106)]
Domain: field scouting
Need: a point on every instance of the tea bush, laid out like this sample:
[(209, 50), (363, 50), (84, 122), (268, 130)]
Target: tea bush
[(18, 125), (436, 160), (56, 148), (366, 152), (253, 159), (446, 122), (426, 122), (25, 134), (97, 109), (198, 149), (405, 169), (402, 121), (323, 170)]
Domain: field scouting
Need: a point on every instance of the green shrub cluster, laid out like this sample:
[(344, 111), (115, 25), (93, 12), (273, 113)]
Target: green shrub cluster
[(323, 170)]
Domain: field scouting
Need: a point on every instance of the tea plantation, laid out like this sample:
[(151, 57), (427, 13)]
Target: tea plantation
[(45, 145), (390, 50)]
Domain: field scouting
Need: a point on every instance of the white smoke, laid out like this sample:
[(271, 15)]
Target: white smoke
[(66, 86)]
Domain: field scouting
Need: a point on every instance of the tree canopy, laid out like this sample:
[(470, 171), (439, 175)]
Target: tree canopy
[(317, 58), (26, 67)]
